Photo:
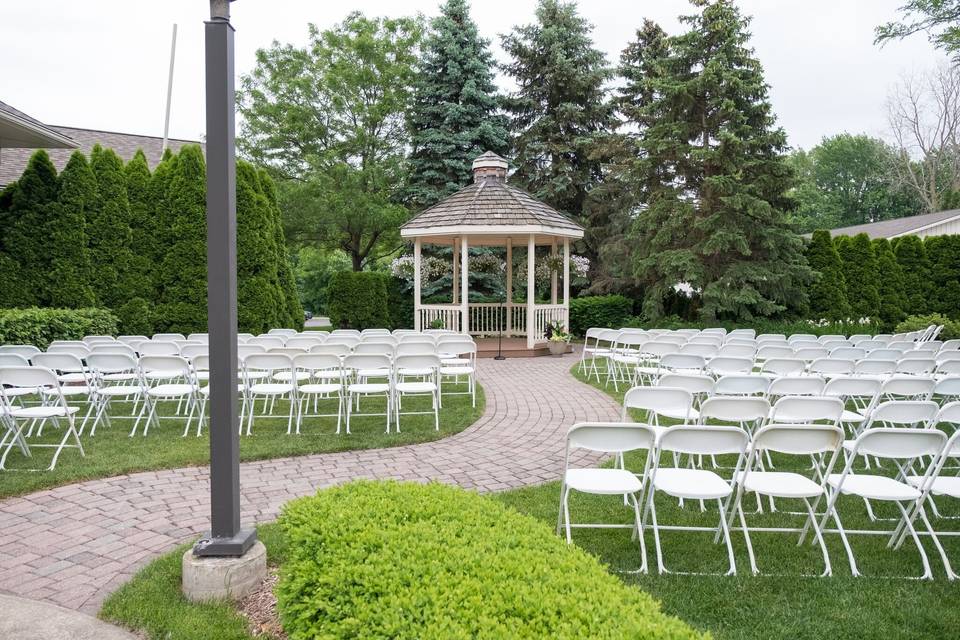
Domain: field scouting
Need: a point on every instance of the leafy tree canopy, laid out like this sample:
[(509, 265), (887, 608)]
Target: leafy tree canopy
[(939, 19)]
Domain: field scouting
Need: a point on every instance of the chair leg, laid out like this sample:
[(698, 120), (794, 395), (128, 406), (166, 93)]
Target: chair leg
[(818, 536), (908, 522), (566, 513), (726, 537)]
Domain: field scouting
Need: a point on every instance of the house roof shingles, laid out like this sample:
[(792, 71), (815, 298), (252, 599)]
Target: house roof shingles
[(897, 226), (13, 160)]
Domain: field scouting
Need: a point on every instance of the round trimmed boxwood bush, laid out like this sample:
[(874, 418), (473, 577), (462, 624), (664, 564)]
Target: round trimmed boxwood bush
[(403, 560)]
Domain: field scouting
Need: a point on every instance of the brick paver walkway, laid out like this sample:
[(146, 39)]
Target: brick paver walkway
[(75, 544)]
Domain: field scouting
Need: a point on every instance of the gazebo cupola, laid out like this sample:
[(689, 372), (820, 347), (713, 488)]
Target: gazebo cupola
[(491, 212)]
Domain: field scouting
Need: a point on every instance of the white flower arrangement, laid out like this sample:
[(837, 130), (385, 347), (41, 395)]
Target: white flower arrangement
[(430, 268)]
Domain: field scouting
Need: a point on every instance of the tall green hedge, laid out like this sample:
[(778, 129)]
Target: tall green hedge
[(404, 560), (71, 270), (943, 253), (40, 327), (108, 226), (861, 275), (358, 300), (599, 311), (893, 298), (292, 309), (912, 257), (828, 291)]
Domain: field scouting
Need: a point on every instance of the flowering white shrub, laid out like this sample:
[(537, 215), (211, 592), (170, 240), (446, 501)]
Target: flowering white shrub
[(430, 268)]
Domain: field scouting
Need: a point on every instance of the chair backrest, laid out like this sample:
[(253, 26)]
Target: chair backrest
[(796, 386), (345, 332), (875, 367), (898, 443), (696, 384), (379, 338), (111, 363), (169, 336), (176, 365), (859, 337), (26, 350), (368, 362), (317, 362), (29, 377), (776, 337), (702, 349), (682, 362), (784, 366), (658, 400), (288, 351), (199, 337), (741, 385), (652, 348), (852, 387), (201, 362), (809, 354), (269, 342), (907, 388), (610, 437), (243, 337), (426, 338), (950, 345), (81, 351), (948, 367), (948, 387), (768, 352), (349, 340), (848, 353), (798, 439), (191, 351), (112, 347), (932, 345), (268, 362), (791, 409), (902, 345), (131, 339), (831, 338), (331, 348), (949, 413), (832, 365), (913, 366), (704, 440), (62, 362), (282, 332), (734, 409), (10, 359), (871, 345), (302, 342), (244, 350), (884, 354), (419, 362), (384, 348), (92, 340), (737, 351), (947, 355), (415, 348), (723, 365), (801, 337), (903, 412), (158, 348)]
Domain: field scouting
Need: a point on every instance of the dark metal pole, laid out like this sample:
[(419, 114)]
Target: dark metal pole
[(226, 538)]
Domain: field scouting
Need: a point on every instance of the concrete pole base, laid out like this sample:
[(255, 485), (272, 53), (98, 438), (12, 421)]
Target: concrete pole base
[(206, 579)]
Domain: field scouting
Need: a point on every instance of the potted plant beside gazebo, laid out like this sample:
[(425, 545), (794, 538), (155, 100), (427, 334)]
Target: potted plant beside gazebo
[(558, 340)]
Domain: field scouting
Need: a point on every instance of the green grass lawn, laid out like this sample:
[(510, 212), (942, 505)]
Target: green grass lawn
[(113, 452), (786, 605)]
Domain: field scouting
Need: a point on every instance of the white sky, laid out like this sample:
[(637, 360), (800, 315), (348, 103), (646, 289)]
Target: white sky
[(102, 64)]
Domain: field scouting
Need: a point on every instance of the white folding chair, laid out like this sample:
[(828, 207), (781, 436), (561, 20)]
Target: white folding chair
[(164, 378), (158, 348), (79, 350), (728, 365), (861, 393), (53, 410), (806, 409), (903, 446), (324, 383), (458, 364), (831, 367), (783, 367), (745, 412), (368, 376), (907, 388), (741, 385), (75, 380), (878, 369), (115, 378), (425, 369), (694, 484), (699, 386), (607, 438), (699, 349), (201, 371), (787, 439), (946, 389), (681, 363), (916, 366), (848, 353), (657, 402), (276, 381), (268, 342)]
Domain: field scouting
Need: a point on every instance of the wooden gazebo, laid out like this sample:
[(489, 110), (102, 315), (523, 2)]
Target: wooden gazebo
[(491, 212)]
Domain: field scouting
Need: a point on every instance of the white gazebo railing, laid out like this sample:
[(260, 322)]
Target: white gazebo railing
[(545, 314), (449, 314), (490, 318)]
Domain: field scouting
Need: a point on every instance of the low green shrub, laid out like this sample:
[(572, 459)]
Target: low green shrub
[(403, 560), (358, 300), (951, 328), (136, 317), (40, 327), (599, 311)]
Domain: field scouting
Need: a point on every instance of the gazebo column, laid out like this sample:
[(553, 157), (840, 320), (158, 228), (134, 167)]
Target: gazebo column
[(509, 292), (566, 285), (553, 274), (531, 291), (455, 284), (464, 285), (416, 285)]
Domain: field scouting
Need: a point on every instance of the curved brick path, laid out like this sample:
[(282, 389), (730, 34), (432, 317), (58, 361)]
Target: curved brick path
[(75, 544)]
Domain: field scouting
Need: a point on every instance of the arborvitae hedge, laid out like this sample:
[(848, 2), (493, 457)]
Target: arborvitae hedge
[(143, 226), (258, 293), (916, 273), (944, 255), (70, 270), (293, 310), (108, 227), (183, 274), (158, 194), (358, 300), (828, 292), (25, 240), (861, 275), (893, 299)]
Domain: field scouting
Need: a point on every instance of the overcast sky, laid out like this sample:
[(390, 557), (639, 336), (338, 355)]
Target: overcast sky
[(102, 64)]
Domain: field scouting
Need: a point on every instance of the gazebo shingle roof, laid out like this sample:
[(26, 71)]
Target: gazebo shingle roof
[(490, 201)]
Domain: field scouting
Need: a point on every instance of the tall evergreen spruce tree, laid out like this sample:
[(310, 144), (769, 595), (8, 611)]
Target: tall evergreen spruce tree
[(559, 111), (143, 225), (258, 293), (862, 275), (25, 240), (292, 316), (453, 117), (828, 295), (893, 299), (71, 271), (183, 274), (108, 227), (916, 274), (716, 215), (944, 255)]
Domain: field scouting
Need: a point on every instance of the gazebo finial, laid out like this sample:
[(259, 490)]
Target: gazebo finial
[(490, 166)]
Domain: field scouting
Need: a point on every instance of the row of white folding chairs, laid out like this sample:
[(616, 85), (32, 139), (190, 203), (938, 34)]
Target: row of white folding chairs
[(909, 490)]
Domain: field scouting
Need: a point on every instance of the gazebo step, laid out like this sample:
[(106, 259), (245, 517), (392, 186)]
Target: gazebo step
[(511, 348)]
